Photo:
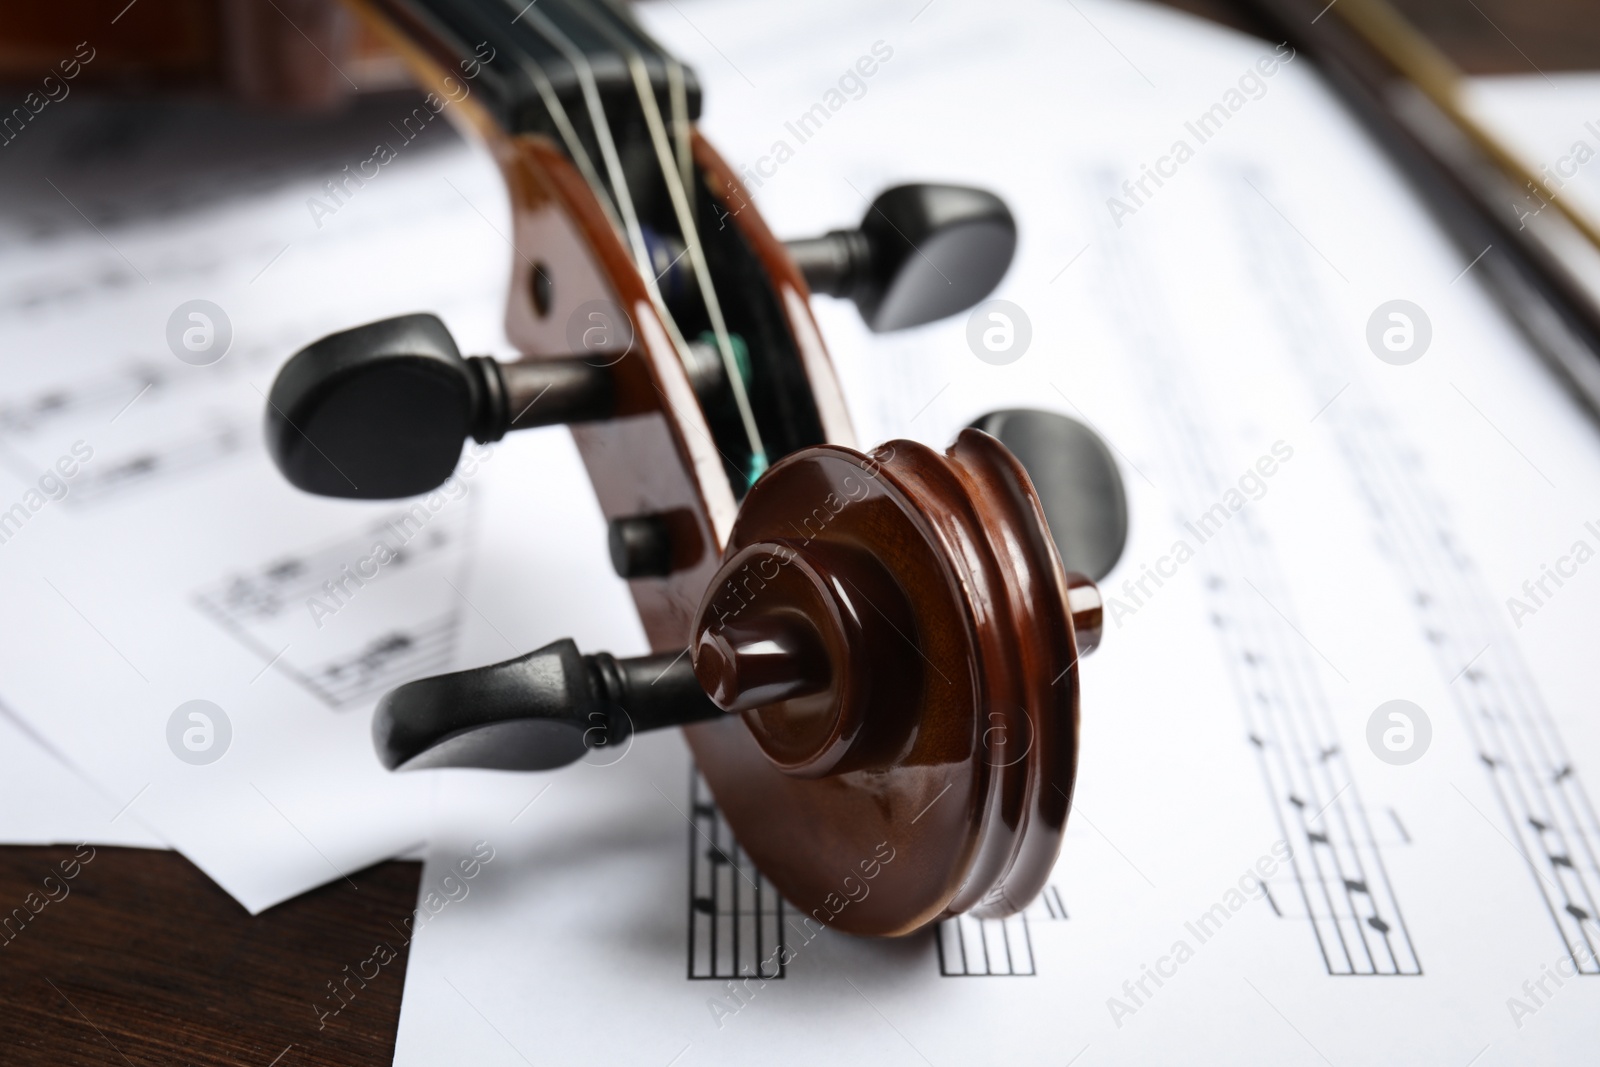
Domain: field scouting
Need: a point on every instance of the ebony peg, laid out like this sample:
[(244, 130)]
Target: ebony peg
[(923, 252), (381, 411), (537, 712), (1077, 480)]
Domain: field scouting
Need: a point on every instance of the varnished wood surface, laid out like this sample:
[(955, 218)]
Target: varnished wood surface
[(172, 971), (177, 42), (925, 589), (1480, 36), (140, 959), (1511, 36)]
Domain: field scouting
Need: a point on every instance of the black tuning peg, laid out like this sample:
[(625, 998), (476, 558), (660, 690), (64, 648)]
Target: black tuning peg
[(923, 252), (536, 712), (1077, 481), (382, 410)]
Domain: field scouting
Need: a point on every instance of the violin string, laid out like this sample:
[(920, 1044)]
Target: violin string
[(679, 96), (608, 152), (679, 197), (535, 73), (677, 90), (569, 133), (597, 118)]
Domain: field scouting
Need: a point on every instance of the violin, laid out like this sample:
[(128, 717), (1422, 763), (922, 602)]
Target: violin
[(863, 648)]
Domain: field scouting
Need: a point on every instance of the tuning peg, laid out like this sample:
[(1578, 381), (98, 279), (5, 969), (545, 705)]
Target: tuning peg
[(1078, 484), (536, 712), (381, 411), (922, 252)]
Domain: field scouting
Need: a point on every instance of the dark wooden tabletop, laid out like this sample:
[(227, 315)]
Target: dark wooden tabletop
[(1482, 36), (146, 961), (140, 959)]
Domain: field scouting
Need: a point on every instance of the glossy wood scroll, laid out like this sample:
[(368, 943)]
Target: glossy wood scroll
[(896, 633)]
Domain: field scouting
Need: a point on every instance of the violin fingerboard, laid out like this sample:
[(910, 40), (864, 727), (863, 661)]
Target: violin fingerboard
[(527, 61)]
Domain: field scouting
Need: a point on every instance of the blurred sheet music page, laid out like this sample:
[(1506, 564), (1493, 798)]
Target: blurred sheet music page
[(1351, 484), (150, 556)]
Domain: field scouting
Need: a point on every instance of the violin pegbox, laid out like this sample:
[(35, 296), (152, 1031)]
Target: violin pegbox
[(874, 655)]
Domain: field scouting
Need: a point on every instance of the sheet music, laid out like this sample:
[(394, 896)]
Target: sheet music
[(154, 558), (1250, 874)]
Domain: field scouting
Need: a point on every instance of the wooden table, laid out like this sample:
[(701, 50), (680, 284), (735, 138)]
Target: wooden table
[(146, 961)]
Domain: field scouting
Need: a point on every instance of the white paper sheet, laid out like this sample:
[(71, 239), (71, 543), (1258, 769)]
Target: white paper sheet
[(43, 801), (175, 564), (1433, 912)]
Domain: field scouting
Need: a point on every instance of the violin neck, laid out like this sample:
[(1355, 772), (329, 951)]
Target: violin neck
[(575, 71)]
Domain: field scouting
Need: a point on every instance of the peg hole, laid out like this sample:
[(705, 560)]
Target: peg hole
[(541, 288)]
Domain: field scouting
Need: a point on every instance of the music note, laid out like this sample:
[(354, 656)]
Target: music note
[(1271, 900), (319, 615), (62, 401), (155, 462), (736, 919), (289, 568), (1278, 687), (372, 657)]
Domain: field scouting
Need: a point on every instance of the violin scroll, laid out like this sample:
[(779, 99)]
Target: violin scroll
[(898, 645)]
